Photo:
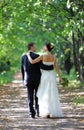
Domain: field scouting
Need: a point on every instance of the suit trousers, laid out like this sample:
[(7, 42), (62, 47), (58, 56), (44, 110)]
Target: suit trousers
[(33, 106)]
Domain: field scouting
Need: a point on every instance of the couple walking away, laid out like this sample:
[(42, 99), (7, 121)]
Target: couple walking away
[(39, 77)]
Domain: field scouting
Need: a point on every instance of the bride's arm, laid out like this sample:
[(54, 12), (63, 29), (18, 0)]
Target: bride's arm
[(57, 69), (35, 60)]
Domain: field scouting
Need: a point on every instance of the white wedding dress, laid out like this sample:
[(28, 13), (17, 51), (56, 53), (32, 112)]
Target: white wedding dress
[(48, 96)]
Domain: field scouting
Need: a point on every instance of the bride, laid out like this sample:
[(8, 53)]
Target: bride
[(48, 96)]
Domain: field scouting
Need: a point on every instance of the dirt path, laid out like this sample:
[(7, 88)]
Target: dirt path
[(14, 114)]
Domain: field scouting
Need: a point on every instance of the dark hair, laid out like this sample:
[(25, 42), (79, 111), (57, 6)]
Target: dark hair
[(49, 46), (30, 45)]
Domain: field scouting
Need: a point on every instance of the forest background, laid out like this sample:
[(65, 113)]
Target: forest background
[(60, 22)]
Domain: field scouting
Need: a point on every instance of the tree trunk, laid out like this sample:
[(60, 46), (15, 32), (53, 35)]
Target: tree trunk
[(80, 57), (74, 53)]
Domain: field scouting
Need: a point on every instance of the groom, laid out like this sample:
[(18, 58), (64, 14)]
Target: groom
[(31, 77)]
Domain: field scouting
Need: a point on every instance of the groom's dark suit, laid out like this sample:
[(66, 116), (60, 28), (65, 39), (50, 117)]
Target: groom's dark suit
[(31, 76)]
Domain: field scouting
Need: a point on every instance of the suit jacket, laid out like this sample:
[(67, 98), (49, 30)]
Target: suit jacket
[(30, 72)]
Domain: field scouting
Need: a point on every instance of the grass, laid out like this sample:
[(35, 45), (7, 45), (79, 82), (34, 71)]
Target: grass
[(7, 76), (78, 100), (74, 84)]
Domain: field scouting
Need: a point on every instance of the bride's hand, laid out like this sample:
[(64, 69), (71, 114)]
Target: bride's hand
[(62, 81)]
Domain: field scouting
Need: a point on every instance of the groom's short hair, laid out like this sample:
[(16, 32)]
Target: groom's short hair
[(30, 45)]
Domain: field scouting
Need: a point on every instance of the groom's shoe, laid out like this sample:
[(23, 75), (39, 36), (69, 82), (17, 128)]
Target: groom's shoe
[(32, 116), (37, 115)]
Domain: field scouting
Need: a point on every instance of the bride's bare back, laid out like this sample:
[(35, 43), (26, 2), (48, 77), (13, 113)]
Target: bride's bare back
[(48, 58)]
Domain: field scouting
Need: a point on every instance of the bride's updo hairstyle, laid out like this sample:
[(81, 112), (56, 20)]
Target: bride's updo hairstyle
[(49, 46)]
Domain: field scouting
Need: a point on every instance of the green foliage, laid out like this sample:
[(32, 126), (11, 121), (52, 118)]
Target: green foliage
[(71, 76), (39, 21), (4, 63), (6, 77), (74, 84), (71, 81), (78, 99)]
